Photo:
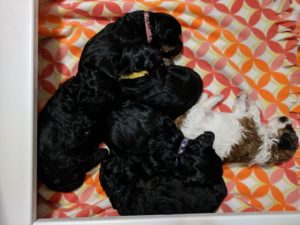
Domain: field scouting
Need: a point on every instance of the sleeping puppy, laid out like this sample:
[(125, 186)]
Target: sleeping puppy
[(240, 136), (70, 130), (153, 169)]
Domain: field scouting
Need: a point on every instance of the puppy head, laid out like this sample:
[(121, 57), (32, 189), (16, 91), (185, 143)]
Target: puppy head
[(276, 142), (285, 139), (200, 157), (166, 32)]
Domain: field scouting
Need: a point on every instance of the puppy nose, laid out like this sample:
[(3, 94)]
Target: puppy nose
[(283, 119)]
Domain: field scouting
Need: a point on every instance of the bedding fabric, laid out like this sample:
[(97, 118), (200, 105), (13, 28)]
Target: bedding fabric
[(235, 45)]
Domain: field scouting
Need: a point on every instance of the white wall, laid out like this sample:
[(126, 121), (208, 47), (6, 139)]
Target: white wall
[(195, 219), (16, 111), (18, 118)]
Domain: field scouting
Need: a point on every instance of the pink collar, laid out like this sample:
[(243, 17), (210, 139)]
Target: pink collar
[(147, 26)]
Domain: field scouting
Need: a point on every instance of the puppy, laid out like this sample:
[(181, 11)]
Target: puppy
[(71, 129), (240, 136), (153, 169)]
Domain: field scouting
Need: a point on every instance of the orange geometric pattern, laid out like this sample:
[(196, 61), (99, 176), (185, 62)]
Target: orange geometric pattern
[(240, 45)]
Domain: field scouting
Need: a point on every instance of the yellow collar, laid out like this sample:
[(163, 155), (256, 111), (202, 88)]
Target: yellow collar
[(134, 75)]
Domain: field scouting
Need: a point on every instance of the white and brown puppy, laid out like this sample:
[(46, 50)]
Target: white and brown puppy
[(240, 137)]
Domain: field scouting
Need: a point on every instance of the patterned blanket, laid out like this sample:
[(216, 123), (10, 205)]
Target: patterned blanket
[(235, 45)]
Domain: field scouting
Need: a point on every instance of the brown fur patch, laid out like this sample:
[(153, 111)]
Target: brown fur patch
[(246, 150), (179, 120), (280, 155), (167, 48)]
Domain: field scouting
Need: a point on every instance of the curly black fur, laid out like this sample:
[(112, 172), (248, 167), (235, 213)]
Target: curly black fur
[(69, 127), (106, 47), (144, 173), (68, 140), (170, 89)]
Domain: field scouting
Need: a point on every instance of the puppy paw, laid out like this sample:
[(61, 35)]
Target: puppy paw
[(212, 101), (243, 97), (66, 183), (241, 103), (253, 112)]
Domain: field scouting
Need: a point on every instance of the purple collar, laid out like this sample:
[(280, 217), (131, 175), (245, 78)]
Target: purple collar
[(182, 148), (147, 26), (183, 145)]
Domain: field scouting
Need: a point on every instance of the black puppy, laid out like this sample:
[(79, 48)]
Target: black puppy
[(153, 169), (75, 136), (69, 127)]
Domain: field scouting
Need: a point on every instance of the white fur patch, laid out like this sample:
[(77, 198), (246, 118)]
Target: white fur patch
[(227, 128)]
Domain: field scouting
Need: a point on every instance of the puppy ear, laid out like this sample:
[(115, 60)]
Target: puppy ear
[(287, 142)]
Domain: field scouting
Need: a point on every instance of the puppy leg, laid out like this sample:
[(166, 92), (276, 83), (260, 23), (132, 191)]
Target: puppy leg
[(63, 175), (203, 102), (253, 111), (75, 179), (68, 173), (191, 122), (245, 105), (211, 102), (240, 104)]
